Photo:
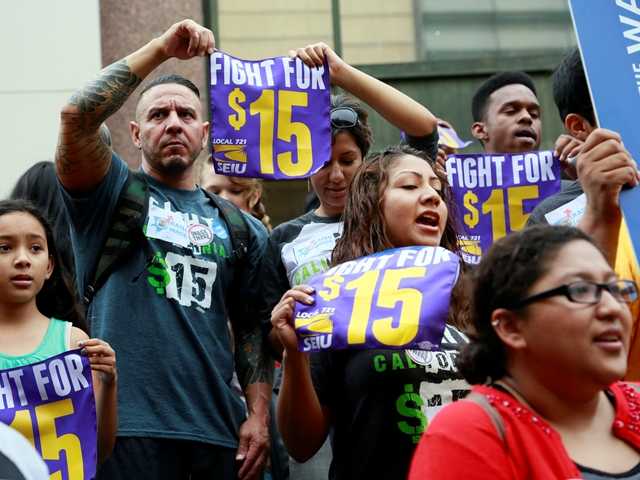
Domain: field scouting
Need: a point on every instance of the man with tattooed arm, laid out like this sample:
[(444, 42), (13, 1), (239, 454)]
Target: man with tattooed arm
[(164, 309)]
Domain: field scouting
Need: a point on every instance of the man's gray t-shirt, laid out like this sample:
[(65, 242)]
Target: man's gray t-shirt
[(569, 191), (163, 310)]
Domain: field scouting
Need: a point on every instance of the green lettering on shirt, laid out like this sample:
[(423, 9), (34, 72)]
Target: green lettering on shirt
[(222, 252), (158, 277), (379, 363), (310, 269), (396, 362), (409, 405)]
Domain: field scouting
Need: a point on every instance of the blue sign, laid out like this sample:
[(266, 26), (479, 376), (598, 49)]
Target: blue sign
[(609, 37)]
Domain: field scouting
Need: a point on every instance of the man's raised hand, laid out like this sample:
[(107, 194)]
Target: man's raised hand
[(187, 39), (604, 166)]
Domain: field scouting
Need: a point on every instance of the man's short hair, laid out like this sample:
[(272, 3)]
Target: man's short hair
[(499, 80), (570, 88), (172, 78)]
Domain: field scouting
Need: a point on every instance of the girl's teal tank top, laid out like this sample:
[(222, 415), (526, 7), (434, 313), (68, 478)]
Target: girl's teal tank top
[(56, 340)]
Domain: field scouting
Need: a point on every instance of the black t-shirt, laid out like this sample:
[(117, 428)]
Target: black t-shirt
[(569, 191), (381, 401)]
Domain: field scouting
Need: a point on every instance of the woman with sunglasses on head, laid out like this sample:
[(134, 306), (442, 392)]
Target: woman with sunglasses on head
[(552, 333), (375, 402), (302, 247)]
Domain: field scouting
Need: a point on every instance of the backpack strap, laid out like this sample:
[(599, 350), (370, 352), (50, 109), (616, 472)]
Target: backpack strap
[(123, 235), (238, 228), (493, 414), (235, 306)]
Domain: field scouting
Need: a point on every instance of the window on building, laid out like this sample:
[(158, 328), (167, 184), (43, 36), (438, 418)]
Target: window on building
[(468, 29), (259, 29)]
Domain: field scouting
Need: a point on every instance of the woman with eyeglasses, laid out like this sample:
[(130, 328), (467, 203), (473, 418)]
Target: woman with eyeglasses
[(302, 247), (550, 347)]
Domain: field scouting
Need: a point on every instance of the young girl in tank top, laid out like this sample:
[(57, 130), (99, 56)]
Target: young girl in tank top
[(39, 315)]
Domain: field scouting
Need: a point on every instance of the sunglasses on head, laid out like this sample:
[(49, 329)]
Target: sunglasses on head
[(343, 117)]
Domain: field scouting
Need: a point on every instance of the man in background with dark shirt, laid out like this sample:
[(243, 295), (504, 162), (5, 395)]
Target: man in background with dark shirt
[(571, 95), (506, 114)]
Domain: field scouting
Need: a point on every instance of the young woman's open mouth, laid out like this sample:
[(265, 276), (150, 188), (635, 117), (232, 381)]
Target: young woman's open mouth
[(429, 220)]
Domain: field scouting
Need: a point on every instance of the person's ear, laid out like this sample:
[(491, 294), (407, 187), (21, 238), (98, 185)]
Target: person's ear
[(205, 134), (577, 126), (254, 198), (479, 132), (508, 327), (134, 130), (50, 266)]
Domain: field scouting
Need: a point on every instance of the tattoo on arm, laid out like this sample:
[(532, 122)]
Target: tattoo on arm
[(253, 364), (79, 145), (76, 152), (106, 94)]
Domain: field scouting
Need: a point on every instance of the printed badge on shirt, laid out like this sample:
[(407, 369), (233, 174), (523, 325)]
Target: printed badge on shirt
[(186, 230), (568, 214), (187, 279)]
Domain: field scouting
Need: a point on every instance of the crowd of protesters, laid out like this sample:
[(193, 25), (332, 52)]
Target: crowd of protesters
[(541, 334)]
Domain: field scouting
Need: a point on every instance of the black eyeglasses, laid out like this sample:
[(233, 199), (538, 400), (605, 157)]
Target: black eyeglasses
[(344, 117), (586, 292)]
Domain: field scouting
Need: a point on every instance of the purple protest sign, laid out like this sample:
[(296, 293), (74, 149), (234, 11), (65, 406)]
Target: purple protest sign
[(51, 403), (496, 193), (394, 299), (448, 137), (270, 118)]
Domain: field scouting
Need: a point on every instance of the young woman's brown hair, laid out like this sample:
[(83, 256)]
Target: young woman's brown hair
[(364, 231), (364, 226)]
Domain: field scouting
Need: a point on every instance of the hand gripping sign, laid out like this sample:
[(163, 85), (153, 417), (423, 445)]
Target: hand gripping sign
[(51, 404), (270, 118), (395, 299), (495, 193)]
